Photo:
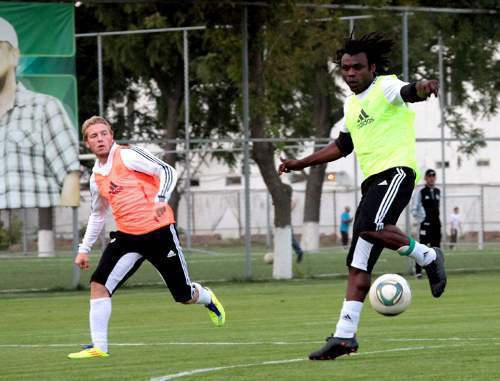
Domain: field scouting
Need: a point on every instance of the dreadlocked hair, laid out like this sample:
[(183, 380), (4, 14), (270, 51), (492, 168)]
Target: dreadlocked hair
[(374, 45)]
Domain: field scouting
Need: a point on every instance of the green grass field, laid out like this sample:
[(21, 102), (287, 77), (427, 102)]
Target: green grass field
[(221, 264), (271, 328)]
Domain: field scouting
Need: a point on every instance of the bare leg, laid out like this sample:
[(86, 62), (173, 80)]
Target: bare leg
[(390, 237), (358, 284), (98, 291)]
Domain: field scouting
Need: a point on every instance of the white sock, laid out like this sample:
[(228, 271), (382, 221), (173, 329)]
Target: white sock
[(100, 311), (422, 254), (204, 296), (347, 326)]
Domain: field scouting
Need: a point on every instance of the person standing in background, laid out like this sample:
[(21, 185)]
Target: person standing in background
[(455, 226), (345, 222), (425, 209)]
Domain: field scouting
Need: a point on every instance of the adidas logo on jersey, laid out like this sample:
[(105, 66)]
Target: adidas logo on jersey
[(364, 119), (171, 254), (114, 189)]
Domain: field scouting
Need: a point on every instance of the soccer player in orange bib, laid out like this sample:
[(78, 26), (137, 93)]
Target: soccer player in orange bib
[(137, 186)]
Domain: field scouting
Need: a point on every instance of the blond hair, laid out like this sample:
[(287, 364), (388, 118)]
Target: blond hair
[(96, 119)]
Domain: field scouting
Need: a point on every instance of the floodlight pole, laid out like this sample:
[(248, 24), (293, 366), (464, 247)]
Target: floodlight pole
[(443, 123), (406, 75), (99, 76), (187, 191), (480, 237), (406, 78), (246, 146)]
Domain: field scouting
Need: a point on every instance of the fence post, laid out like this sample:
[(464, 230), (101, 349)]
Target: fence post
[(480, 233), (76, 238)]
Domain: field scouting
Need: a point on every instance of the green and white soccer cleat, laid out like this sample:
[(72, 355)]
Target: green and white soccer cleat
[(87, 353), (215, 310)]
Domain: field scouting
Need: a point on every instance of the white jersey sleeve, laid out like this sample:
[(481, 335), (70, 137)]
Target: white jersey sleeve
[(343, 127), (392, 90), (141, 160), (98, 208)]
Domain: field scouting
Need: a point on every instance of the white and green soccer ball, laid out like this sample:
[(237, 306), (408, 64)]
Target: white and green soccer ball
[(268, 258), (390, 294)]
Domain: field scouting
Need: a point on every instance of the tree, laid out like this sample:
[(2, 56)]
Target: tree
[(154, 63)]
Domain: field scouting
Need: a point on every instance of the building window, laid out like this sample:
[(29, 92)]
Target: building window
[(233, 180), (439, 164), (483, 163), (193, 182)]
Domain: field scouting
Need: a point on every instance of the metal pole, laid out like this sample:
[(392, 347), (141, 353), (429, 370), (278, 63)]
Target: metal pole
[(76, 238), (481, 222), (140, 31), (335, 215), (187, 142), (443, 158), (99, 76), (246, 146), (406, 78)]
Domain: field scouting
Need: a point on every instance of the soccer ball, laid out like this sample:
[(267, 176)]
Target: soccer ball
[(390, 294), (268, 258)]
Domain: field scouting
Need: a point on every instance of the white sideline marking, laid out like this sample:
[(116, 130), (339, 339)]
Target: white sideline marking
[(205, 370), (234, 343), (220, 343), (174, 376)]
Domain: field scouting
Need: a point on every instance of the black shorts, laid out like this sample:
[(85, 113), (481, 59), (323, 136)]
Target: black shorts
[(126, 252), (384, 197), (430, 234)]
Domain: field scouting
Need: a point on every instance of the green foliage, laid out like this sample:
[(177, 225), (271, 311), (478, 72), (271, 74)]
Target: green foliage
[(10, 235), (295, 42), (4, 237)]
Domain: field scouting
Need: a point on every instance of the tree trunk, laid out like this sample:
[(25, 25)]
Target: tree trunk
[(46, 247), (172, 92), (264, 155), (322, 123)]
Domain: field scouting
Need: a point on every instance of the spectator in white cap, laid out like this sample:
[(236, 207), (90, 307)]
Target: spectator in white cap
[(38, 146)]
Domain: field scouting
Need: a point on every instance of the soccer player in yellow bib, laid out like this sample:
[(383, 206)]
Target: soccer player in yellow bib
[(378, 126), (136, 186)]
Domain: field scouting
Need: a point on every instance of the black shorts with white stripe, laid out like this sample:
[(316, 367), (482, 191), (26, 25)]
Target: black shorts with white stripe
[(126, 252), (384, 197)]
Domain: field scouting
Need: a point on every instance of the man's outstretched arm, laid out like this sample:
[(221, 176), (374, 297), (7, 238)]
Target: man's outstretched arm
[(339, 148), (419, 91)]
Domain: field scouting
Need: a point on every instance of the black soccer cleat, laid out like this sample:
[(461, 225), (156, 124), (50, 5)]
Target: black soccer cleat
[(436, 273), (335, 347)]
